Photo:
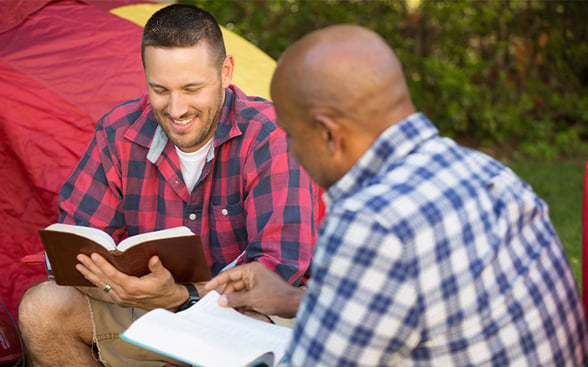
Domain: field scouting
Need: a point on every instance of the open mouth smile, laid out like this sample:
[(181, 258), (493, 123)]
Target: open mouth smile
[(182, 122)]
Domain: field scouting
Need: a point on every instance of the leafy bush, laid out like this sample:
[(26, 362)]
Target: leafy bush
[(507, 75)]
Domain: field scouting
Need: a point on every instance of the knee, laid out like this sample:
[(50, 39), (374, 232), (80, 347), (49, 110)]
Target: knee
[(47, 303)]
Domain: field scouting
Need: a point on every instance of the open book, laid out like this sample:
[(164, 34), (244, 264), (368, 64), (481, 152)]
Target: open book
[(179, 250), (209, 335)]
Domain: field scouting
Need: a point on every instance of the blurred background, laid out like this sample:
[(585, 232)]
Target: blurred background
[(507, 76)]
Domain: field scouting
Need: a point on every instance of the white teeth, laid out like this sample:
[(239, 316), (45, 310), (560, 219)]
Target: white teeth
[(182, 122)]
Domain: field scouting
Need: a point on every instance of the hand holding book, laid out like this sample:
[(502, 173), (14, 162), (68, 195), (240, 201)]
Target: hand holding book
[(179, 250), (255, 287)]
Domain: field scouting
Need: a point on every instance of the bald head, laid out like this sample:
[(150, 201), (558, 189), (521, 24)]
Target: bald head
[(335, 91), (348, 70)]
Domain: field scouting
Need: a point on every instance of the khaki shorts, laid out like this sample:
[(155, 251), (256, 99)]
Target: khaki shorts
[(109, 320)]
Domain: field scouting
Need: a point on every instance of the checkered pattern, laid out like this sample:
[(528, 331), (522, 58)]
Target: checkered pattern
[(252, 196), (435, 255)]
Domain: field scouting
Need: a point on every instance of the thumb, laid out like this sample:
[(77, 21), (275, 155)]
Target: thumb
[(234, 300), (155, 265)]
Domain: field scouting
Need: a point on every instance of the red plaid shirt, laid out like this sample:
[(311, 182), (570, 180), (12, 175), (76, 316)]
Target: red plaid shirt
[(252, 196)]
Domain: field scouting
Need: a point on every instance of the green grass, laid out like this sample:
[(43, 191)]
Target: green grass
[(561, 185)]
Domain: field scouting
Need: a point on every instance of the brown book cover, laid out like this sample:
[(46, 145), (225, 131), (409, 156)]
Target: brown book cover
[(182, 255)]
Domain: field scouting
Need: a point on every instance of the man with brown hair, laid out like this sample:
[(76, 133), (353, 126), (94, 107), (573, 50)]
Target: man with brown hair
[(196, 151)]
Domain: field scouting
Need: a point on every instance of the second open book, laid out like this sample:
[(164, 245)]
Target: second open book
[(209, 335)]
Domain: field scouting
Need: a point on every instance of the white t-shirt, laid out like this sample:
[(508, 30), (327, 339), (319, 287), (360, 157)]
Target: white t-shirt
[(191, 164)]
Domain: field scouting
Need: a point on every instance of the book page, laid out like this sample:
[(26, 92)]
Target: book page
[(209, 335), (164, 233), (95, 234)]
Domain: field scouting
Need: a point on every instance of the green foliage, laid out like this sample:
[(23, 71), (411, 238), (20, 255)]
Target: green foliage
[(561, 185), (511, 75)]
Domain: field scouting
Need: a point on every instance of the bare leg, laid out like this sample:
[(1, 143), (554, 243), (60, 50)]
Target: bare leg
[(56, 326)]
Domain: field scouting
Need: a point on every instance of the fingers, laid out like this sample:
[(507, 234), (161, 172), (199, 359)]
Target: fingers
[(105, 289), (92, 269), (235, 300), (216, 282), (232, 280), (100, 273), (234, 286), (148, 291)]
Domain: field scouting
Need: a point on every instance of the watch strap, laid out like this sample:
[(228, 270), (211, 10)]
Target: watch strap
[(193, 297)]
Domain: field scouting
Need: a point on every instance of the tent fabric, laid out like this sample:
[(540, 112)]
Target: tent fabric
[(14, 12), (63, 64)]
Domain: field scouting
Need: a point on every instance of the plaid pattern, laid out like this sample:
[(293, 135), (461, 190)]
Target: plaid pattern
[(435, 255), (252, 196)]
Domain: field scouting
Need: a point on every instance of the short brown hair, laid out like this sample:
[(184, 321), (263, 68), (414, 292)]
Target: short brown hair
[(180, 25)]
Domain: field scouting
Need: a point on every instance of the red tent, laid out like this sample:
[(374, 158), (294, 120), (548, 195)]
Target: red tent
[(63, 64)]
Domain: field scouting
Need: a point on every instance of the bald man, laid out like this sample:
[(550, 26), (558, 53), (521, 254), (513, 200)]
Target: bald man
[(430, 254)]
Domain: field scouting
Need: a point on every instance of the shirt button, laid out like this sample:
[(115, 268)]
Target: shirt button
[(192, 216), (225, 212)]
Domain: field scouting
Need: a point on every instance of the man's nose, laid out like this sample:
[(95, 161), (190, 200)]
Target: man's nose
[(177, 106)]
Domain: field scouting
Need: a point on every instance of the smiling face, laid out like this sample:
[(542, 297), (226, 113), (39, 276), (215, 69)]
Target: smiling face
[(186, 92)]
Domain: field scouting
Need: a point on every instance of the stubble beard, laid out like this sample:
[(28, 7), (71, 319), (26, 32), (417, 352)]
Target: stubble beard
[(204, 132)]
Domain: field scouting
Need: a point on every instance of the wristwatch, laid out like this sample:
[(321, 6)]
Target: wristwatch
[(193, 297)]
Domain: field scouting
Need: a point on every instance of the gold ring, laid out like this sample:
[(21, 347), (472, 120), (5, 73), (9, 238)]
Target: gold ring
[(107, 288)]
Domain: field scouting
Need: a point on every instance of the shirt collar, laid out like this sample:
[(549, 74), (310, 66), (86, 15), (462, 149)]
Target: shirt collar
[(395, 143), (227, 127)]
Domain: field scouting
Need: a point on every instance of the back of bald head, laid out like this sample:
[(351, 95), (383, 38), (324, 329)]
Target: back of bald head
[(347, 70)]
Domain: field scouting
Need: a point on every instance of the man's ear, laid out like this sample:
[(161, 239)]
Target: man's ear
[(330, 132), (227, 71)]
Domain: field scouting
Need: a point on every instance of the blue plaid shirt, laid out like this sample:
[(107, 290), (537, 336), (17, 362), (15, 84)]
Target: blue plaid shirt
[(432, 254)]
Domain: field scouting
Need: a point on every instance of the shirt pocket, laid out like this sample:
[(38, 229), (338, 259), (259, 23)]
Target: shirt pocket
[(229, 230)]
